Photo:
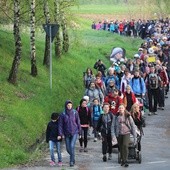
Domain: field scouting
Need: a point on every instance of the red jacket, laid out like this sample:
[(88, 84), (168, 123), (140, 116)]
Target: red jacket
[(164, 78), (114, 103), (121, 27)]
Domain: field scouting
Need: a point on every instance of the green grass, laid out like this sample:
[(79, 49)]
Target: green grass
[(105, 9), (26, 108)]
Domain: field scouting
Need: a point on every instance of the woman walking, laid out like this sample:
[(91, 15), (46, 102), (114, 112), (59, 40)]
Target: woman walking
[(124, 126), (69, 126)]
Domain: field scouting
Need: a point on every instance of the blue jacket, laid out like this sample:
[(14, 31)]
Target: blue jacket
[(69, 122), (138, 85), (97, 111)]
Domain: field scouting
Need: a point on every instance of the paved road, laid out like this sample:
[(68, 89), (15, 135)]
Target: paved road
[(155, 150)]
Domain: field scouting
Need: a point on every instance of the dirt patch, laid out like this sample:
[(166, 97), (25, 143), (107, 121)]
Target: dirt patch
[(23, 96)]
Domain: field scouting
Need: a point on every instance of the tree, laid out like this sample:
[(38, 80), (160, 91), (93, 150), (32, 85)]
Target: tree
[(32, 39), (65, 33), (58, 48), (17, 38), (46, 60)]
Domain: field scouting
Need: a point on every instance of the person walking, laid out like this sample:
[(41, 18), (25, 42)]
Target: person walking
[(52, 139), (153, 83), (104, 126), (85, 121), (96, 111), (69, 126), (129, 98), (124, 126)]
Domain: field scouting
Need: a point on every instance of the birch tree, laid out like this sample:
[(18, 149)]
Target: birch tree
[(17, 39), (46, 60), (58, 48), (65, 33), (32, 40)]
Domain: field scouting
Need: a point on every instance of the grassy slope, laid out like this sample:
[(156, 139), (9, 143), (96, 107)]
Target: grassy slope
[(26, 108)]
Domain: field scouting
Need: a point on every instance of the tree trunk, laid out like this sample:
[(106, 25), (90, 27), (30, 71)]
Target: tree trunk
[(58, 48), (46, 60), (32, 40), (17, 38), (65, 34)]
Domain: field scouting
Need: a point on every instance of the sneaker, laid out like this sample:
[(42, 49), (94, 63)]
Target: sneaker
[(110, 157), (122, 163), (155, 113), (85, 150), (95, 139), (81, 149), (52, 163), (162, 108), (60, 164), (104, 158), (126, 164), (71, 164), (150, 113)]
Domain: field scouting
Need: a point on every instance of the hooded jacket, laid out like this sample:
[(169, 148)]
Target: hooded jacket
[(69, 122)]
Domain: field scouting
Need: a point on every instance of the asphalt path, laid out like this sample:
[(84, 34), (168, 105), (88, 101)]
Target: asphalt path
[(155, 150)]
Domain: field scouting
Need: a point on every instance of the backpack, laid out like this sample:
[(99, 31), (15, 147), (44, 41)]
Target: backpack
[(153, 81), (95, 114)]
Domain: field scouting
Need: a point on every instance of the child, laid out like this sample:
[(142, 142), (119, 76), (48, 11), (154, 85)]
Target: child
[(105, 126), (52, 139), (96, 112)]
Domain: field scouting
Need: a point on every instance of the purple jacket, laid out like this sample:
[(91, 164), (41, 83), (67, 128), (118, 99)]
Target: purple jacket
[(69, 123)]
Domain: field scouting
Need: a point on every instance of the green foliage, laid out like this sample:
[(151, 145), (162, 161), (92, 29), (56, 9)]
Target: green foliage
[(26, 108)]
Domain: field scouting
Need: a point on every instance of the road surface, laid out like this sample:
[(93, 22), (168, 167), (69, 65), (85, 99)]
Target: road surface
[(155, 150)]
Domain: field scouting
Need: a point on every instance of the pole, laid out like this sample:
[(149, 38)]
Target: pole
[(51, 30), (50, 59)]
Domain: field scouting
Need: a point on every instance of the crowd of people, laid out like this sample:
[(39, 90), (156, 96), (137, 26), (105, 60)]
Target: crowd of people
[(136, 28), (112, 99)]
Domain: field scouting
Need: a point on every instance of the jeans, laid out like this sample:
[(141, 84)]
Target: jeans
[(70, 146), (58, 147)]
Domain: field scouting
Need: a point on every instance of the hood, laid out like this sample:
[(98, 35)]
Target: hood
[(66, 103)]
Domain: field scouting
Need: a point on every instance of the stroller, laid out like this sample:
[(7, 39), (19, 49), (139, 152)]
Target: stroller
[(141, 106), (134, 153)]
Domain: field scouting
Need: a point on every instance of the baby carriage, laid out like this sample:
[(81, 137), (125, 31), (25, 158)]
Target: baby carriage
[(141, 106), (134, 153)]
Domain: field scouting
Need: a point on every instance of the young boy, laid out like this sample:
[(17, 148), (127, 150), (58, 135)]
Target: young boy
[(105, 126), (96, 112), (52, 139)]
